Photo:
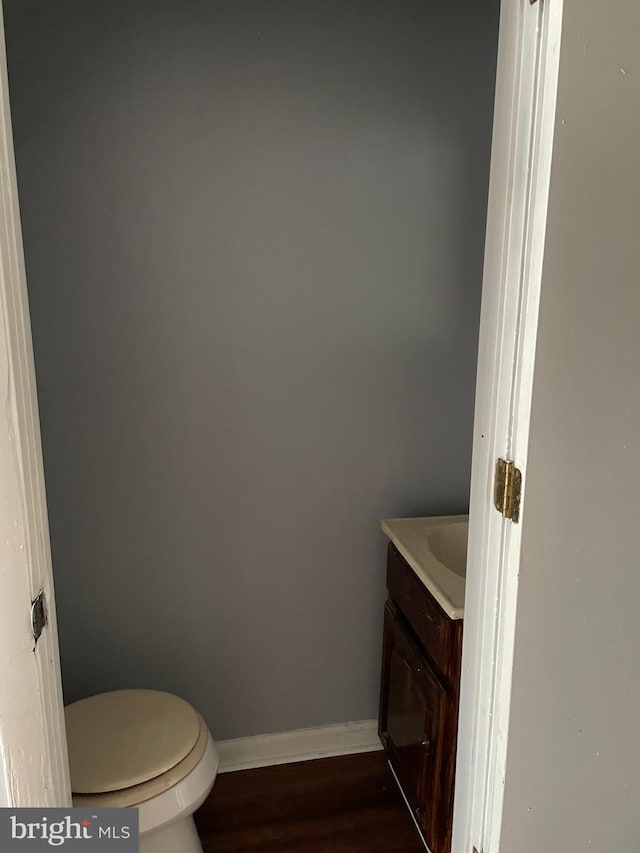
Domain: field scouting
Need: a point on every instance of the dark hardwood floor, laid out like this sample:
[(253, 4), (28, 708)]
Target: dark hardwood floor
[(333, 805)]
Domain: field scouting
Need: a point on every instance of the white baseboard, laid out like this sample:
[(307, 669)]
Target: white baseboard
[(299, 745)]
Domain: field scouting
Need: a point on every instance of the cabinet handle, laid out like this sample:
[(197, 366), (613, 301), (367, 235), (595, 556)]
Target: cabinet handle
[(426, 743)]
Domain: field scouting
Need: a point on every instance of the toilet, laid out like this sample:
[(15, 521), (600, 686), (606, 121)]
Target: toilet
[(148, 749)]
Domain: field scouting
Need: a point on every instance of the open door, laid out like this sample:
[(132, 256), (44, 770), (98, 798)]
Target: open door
[(33, 750), (524, 122)]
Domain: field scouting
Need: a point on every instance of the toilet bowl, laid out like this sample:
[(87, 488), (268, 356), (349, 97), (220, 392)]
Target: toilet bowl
[(148, 749)]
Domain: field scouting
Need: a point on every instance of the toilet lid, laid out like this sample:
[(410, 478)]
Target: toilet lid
[(127, 737)]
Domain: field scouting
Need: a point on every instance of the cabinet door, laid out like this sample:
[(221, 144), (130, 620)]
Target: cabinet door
[(412, 716)]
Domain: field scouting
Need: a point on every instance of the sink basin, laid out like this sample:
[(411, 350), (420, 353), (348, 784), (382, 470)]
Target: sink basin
[(436, 549), (448, 544)]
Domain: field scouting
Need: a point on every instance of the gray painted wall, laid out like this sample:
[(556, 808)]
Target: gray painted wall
[(573, 772), (254, 236)]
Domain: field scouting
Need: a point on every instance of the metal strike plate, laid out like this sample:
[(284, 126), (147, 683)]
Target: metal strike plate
[(38, 615)]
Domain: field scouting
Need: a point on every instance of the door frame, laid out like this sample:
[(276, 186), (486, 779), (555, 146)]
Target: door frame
[(33, 747), (523, 132), (33, 750)]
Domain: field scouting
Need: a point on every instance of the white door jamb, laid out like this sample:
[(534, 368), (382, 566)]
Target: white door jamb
[(33, 748)]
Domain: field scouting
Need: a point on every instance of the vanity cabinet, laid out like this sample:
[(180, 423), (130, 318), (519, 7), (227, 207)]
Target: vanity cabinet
[(419, 699)]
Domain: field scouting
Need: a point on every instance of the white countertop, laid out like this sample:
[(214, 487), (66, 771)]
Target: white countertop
[(435, 548)]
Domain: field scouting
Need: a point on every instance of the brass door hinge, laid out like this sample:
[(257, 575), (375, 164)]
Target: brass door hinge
[(507, 489)]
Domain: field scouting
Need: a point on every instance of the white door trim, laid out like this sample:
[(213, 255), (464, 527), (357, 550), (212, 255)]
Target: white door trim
[(33, 749), (524, 122)]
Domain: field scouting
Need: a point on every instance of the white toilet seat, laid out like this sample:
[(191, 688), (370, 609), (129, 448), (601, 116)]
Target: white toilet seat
[(171, 802), (135, 795), (126, 738)]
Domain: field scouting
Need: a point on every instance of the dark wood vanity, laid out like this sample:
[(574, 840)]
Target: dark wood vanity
[(419, 698)]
